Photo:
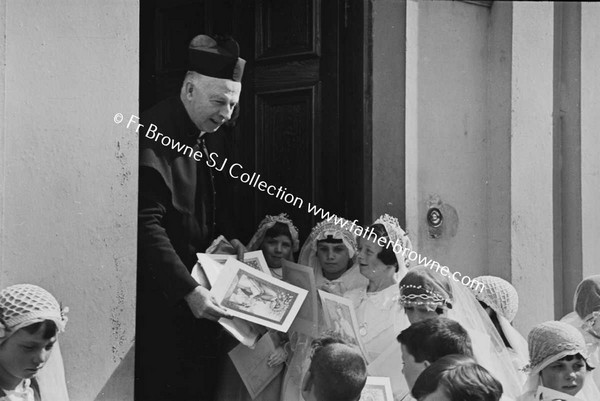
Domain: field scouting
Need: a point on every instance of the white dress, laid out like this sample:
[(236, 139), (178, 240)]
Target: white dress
[(380, 319), (350, 280)]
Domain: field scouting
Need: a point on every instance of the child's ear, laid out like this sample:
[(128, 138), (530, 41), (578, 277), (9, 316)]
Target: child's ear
[(426, 363)]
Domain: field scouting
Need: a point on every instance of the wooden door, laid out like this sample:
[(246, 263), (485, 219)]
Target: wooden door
[(301, 124)]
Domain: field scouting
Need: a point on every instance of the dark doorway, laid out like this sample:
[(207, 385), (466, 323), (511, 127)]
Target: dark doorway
[(305, 97)]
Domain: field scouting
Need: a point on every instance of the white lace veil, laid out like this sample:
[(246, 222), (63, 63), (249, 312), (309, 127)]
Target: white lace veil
[(424, 286), (503, 298), (323, 230), (492, 354), (397, 236), (22, 305), (268, 222), (550, 341)]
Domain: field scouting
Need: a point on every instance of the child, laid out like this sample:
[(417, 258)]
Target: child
[(330, 250), (559, 364), (428, 340), (337, 371), (586, 318), (277, 238), (500, 300), (456, 378), (30, 320)]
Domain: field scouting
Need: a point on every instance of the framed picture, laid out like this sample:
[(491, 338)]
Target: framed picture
[(339, 316), (256, 260), (307, 320), (377, 389), (257, 297)]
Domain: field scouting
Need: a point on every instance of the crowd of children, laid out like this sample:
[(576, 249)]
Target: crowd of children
[(434, 339)]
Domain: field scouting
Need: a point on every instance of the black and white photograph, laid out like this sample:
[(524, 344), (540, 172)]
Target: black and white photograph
[(255, 296), (435, 163)]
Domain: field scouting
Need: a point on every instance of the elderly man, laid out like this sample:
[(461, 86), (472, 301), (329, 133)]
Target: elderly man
[(178, 345)]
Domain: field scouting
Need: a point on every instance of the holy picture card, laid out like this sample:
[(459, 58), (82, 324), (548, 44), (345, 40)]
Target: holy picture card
[(256, 260), (377, 389), (252, 367), (220, 258), (245, 332), (257, 297), (340, 317), (212, 268), (307, 320)]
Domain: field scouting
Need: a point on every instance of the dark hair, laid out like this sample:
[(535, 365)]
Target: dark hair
[(431, 339), (579, 357), (460, 377), (494, 318), (49, 327), (338, 370), (277, 230), (387, 255)]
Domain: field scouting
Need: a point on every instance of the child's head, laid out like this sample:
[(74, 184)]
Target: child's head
[(30, 319), (337, 371), (425, 293), (429, 340), (456, 378), (559, 358), (277, 245), (277, 238)]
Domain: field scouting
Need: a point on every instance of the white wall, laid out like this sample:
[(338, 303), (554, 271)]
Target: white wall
[(69, 182), (531, 161), (590, 136), (446, 130)]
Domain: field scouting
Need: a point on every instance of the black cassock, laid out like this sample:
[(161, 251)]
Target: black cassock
[(177, 356)]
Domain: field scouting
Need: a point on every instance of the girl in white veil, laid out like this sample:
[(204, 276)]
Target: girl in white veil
[(586, 318), (330, 250), (27, 306), (426, 293), (500, 300), (551, 343), (277, 238)]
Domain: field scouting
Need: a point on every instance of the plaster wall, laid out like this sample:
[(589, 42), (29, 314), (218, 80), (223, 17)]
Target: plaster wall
[(389, 64), (498, 114), (69, 182), (446, 131), (531, 161), (590, 136)]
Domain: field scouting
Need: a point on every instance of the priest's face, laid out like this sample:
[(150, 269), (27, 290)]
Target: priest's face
[(210, 101)]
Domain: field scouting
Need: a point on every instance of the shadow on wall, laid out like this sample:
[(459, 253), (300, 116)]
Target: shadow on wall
[(120, 384)]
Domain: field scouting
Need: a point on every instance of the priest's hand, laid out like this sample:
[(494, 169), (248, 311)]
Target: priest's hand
[(240, 249), (204, 306)]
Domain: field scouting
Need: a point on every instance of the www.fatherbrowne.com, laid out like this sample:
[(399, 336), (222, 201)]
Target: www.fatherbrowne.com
[(280, 193), (398, 248)]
